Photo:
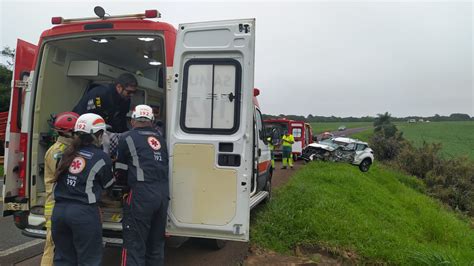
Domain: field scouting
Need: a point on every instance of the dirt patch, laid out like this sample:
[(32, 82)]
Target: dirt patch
[(302, 256), (282, 176)]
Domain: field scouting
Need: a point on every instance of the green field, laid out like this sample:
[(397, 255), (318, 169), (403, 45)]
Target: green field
[(319, 128), (457, 137), (363, 135), (380, 216)]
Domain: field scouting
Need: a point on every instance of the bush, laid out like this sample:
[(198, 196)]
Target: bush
[(386, 148), (451, 181), (419, 161)]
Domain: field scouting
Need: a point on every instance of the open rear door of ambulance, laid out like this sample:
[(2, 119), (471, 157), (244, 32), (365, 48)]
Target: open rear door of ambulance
[(16, 141), (210, 130)]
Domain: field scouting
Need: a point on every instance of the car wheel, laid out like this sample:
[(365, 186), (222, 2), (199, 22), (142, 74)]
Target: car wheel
[(364, 166)]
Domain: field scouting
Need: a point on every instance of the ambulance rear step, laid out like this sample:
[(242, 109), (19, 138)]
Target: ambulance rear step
[(257, 198)]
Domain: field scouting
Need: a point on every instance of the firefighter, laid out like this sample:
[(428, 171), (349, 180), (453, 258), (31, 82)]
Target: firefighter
[(143, 157), (287, 156), (63, 124), (112, 102), (82, 174)]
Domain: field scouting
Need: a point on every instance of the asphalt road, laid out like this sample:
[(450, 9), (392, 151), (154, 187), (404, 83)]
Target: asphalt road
[(13, 245), (345, 133)]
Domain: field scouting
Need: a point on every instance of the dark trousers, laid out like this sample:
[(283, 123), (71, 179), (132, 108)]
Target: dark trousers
[(77, 234), (144, 222)]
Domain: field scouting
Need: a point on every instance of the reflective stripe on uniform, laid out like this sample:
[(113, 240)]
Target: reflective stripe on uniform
[(90, 180), (110, 183), (133, 152), (121, 166), (48, 208)]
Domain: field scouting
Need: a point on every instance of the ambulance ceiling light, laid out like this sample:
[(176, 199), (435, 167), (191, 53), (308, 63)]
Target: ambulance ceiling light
[(154, 63), (102, 40), (146, 39)]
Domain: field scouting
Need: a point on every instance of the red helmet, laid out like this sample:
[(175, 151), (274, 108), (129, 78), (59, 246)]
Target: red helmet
[(65, 122)]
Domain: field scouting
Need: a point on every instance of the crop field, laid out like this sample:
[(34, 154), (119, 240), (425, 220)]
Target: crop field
[(457, 137), (319, 128)]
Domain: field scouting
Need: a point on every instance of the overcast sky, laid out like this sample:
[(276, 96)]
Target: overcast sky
[(323, 58)]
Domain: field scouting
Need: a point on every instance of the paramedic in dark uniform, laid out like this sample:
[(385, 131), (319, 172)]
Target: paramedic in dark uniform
[(142, 153), (112, 102), (83, 172)]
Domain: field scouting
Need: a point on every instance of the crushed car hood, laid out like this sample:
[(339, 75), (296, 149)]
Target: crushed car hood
[(322, 146)]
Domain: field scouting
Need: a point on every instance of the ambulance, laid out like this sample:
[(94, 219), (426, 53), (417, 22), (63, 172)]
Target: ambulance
[(200, 74), (302, 132)]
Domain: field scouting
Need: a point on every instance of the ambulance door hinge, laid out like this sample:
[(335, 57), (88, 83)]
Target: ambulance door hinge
[(244, 28)]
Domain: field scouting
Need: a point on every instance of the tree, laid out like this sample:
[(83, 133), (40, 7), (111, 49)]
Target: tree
[(5, 78), (10, 56), (459, 117)]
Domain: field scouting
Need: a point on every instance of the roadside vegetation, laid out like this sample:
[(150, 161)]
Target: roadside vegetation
[(375, 217), (449, 179)]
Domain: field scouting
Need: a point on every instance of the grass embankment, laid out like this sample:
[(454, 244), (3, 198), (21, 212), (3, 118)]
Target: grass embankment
[(319, 128), (379, 215), (457, 137)]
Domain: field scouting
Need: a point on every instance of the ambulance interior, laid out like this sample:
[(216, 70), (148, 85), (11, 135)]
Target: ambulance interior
[(68, 67)]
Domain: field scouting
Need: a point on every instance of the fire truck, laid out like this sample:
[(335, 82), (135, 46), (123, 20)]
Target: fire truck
[(201, 74), (302, 132)]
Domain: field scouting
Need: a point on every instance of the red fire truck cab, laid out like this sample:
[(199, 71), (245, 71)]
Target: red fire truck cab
[(302, 132)]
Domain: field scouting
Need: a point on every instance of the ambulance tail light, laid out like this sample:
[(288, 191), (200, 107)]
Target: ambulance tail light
[(152, 13), (22, 164), (56, 20)]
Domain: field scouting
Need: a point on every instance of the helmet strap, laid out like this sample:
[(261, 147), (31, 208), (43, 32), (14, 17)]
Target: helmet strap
[(97, 139)]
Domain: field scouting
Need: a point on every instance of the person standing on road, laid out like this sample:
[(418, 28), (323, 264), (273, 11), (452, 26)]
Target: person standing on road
[(111, 102), (63, 124), (142, 153), (287, 156), (83, 172)]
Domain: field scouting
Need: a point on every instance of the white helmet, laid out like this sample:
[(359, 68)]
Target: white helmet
[(142, 111), (89, 123)]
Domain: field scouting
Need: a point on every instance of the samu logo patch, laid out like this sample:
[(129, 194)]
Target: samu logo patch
[(77, 165), (154, 143)]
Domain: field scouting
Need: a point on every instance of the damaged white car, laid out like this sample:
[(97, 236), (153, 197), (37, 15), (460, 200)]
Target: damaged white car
[(341, 149)]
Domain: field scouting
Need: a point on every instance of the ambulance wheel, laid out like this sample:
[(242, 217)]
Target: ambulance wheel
[(217, 244), (268, 188)]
